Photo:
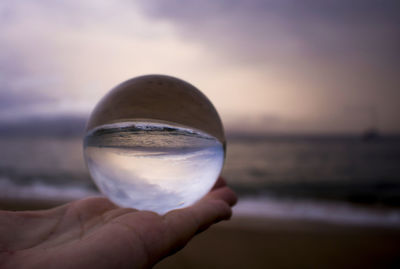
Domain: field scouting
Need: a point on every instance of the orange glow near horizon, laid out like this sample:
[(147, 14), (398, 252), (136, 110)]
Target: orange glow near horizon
[(259, 69)]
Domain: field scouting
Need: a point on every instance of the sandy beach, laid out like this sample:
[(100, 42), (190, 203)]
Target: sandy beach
[(246, 242), (262, 242)]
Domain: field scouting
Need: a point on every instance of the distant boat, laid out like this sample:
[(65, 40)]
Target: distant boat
[(371, 134)]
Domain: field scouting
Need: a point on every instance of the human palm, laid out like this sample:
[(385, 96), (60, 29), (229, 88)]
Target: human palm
[(95, 233)]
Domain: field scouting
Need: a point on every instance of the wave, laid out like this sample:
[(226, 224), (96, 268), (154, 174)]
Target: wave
[(263, 206), (43, 191), (333, 212)]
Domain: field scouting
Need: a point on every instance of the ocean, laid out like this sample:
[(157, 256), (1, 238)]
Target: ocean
[(332, 178)]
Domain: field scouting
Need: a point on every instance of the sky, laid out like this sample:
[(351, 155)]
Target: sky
[(297, 66)]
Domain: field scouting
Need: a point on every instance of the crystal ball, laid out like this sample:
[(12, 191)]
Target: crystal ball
[(154, 143)]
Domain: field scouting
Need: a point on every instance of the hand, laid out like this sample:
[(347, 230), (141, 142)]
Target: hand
[(95, 233)]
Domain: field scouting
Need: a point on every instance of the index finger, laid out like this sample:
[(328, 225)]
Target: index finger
[(214, 207)]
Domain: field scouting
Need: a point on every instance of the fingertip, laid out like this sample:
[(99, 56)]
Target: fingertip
[(232, 197), (225, 194)]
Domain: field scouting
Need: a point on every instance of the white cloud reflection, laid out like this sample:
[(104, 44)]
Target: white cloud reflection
[(129, 177)]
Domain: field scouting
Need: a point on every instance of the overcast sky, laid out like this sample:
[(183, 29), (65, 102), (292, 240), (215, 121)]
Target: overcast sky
[(278, 65)]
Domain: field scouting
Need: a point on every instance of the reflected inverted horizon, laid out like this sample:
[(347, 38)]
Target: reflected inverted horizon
[(153, 166)]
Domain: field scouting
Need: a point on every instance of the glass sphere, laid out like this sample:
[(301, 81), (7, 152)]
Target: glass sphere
[(154, 143)]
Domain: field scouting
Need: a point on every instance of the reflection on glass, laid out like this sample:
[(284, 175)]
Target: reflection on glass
[(154, 143)]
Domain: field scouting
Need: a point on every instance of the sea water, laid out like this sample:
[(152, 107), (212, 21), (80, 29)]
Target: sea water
[(153, 166)]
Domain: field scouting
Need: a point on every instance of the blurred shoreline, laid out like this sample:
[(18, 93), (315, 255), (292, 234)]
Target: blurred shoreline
[(335, 213), (310, 168)]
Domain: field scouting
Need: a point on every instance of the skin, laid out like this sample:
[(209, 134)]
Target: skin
[(95, 233)]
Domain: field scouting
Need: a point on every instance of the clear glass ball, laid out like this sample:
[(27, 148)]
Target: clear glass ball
[(154, 143)]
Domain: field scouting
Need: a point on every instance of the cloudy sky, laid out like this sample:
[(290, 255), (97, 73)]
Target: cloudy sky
[(272, 65)]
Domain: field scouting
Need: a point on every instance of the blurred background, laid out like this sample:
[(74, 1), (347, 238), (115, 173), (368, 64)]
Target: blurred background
[(308, 92)]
